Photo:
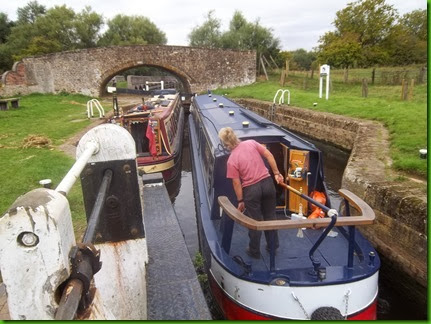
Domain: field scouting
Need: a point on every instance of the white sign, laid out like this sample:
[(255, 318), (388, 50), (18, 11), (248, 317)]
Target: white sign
[(324, 72), (112, 89)]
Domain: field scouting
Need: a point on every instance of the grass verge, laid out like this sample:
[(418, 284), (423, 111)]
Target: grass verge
[(29, 137), (405, 120)]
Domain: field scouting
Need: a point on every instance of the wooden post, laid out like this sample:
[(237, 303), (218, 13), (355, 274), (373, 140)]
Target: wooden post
[(404, 89), (263, 67), (410, 95), (304, 82), (283, 78), (373, 75), (364, 88), (273, 61), (421, 75), (346, 75), (287, 69), (266, 61)]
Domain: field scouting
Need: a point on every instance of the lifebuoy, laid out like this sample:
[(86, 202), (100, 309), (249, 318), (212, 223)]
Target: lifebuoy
[(317, 211)]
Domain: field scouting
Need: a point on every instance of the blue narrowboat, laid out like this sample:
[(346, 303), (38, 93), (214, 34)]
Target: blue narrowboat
[(323, 269)]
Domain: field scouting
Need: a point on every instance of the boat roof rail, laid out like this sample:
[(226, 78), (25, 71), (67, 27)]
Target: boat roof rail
[(255, 117)]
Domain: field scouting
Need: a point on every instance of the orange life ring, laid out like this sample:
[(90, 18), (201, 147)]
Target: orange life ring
[(317, 211)]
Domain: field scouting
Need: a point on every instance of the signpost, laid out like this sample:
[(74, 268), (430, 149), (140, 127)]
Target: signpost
[(324, 72)]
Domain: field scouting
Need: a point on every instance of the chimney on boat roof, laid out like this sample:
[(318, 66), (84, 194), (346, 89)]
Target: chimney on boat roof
[(220, 104)]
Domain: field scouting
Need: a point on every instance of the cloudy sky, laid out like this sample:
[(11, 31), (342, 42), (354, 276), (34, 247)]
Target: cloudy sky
[(298, 24)]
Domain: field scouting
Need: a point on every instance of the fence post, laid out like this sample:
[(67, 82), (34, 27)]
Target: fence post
[(410, 95), (404, 89), (35, 240), (421, 75), (373, 75), (364, 88)]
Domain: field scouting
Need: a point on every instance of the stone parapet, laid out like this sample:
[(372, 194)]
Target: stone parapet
[(88, 71)]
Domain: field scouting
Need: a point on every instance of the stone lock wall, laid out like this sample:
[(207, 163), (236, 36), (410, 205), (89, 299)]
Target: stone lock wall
[(88, 71), (400, 231)]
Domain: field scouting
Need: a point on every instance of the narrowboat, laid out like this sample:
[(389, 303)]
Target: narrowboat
[(323, 268), (157, 126)]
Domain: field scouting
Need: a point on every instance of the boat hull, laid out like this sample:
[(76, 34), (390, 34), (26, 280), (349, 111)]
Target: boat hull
[(311, 271), (241, 299)]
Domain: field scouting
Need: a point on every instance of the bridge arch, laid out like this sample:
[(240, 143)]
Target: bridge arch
[(183, 77), (88, 71)]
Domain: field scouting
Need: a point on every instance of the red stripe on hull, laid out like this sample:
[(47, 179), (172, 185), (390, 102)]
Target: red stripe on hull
[(230, 309), (233, 311)]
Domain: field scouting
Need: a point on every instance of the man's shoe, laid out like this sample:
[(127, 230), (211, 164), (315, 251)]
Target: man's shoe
[(254, 255)]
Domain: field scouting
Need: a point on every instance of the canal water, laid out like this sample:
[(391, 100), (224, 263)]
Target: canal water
[(391, 305)]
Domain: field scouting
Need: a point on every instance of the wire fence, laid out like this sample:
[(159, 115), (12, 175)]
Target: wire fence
[(381, 75)]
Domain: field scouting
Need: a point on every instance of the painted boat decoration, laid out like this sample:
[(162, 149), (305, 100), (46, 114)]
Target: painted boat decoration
[(323, 269), (157, 126)]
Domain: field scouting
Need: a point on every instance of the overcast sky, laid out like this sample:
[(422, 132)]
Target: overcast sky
[(298, 24)]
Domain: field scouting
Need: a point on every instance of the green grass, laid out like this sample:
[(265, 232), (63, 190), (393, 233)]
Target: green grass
[(52, 117), (405, 120), (58, 117)]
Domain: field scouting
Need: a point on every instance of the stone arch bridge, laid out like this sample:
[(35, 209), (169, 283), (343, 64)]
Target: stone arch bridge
[(88, 71)]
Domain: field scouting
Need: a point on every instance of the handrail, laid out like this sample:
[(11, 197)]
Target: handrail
[(98, 106), (92, 147), (367, 216), (281, 99)]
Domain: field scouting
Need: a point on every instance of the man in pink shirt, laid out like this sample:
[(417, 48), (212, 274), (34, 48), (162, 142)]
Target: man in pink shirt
[(252, 183)]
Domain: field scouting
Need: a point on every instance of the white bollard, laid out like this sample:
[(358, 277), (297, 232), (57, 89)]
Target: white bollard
[(35, 240)]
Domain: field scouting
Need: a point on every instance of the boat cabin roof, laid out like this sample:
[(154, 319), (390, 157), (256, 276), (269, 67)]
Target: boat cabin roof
[(158, 106), (218, 112)]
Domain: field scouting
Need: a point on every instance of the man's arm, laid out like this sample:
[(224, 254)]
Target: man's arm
[(238, 192), (270, 158)]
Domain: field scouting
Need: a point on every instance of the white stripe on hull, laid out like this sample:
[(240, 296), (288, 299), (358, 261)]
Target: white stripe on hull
[(278, 301)]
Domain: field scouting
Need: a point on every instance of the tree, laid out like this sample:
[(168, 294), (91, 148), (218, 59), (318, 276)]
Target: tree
[(407, 42), (303, 59), (416, 24), (208, 34), (29, 13), (246, 35), (87, 26), (130, 30), (5, 27), (58, 25), (340, 51), (242, 35), (364, 25)]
